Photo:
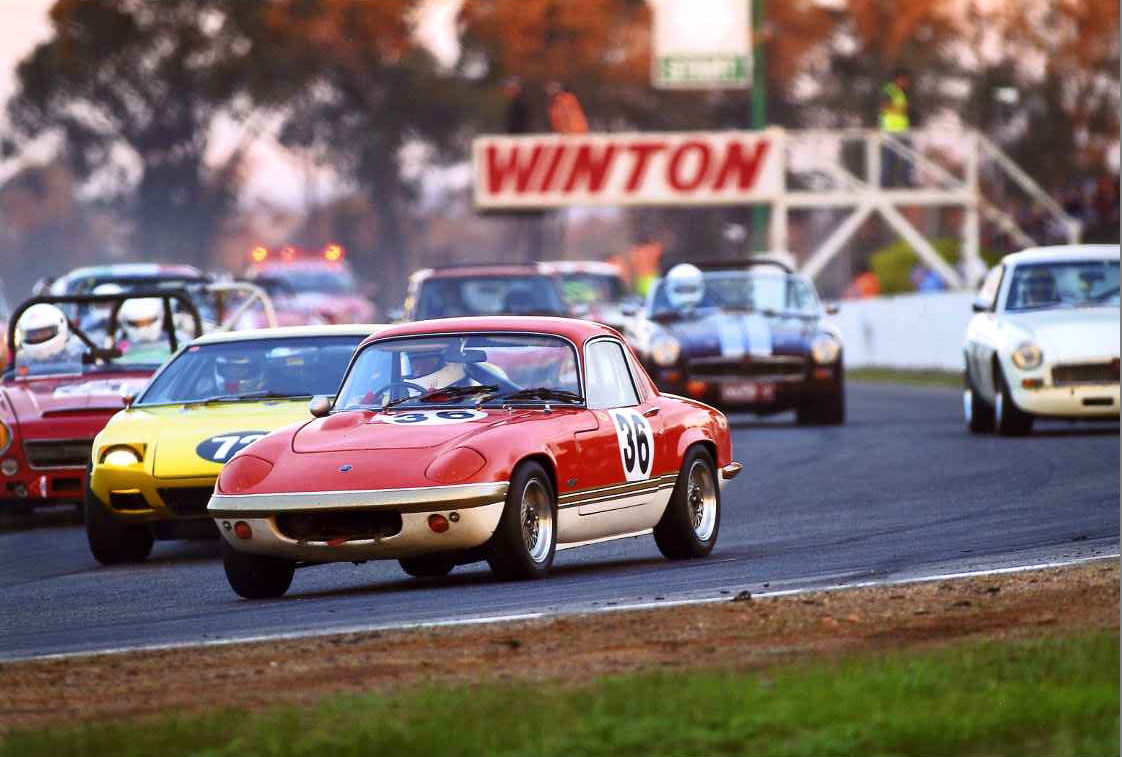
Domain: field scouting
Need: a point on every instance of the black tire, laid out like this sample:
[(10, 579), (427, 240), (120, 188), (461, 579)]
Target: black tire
[(431, 566), (681, 534), (1008, 419), (828, 410), (111, 541), (977, 412), (514, 553), (256, 576)]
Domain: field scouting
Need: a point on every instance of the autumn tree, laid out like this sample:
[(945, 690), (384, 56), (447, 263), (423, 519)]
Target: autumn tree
[(132, 88)]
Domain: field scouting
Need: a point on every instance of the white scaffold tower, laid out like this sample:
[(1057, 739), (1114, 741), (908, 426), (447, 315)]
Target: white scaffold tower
[(817, 175)]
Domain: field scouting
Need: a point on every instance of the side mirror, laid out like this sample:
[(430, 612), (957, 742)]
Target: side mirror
[(128, 394), (832, 308), (320, 406), (979, 307), (395, 315)]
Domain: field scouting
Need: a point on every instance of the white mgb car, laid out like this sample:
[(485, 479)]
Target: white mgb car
[(1044, 342)]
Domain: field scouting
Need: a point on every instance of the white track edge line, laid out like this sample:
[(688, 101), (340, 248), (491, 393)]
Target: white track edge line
[(522, 617)]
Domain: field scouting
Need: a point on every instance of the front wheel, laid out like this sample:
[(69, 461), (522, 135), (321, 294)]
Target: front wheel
[(1009, 419), (526, 538), (826, 409), (688, 528), (111, 541), (256, 576)]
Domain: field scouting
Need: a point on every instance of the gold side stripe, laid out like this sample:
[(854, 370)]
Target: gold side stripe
[(620, 489)]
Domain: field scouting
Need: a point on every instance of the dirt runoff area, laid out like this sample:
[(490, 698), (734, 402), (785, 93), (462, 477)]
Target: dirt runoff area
[(746, 633)]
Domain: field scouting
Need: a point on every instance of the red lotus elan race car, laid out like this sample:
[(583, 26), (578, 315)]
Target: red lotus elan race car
[(489, 438)]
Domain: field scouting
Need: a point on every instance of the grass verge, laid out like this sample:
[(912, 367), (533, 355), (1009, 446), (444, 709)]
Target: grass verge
[(1057, 695), (910, 377)]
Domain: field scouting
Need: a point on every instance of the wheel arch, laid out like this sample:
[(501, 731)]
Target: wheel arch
[(546, 462)]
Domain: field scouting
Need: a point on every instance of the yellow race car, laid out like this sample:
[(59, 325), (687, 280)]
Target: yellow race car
[(154, 464)]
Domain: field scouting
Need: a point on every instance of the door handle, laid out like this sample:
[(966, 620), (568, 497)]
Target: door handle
[(650, 412)]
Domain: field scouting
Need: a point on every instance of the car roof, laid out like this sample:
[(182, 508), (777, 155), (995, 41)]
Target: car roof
[(1063, 252), (489, 269), (599, 267), (133, 270), (573, 329), (336, 329)]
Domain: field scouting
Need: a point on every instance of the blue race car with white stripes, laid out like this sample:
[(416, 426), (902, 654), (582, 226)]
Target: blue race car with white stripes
[(748, 335)]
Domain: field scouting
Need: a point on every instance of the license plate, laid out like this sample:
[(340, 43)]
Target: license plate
[(750, 392)]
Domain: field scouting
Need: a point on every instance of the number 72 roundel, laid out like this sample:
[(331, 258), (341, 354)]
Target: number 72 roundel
[(636, 443)]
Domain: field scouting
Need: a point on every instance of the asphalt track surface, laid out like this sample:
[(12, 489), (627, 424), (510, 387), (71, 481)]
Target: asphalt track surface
[(900, 491)]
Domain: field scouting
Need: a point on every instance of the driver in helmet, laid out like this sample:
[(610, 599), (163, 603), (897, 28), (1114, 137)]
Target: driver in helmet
[(685, 286), (432, 370), (1038, 288), (43, 335), (238, 374), (142, 320)]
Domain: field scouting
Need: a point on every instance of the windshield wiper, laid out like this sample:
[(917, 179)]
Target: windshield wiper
[(538, 393), (444, 394), (263, 395)]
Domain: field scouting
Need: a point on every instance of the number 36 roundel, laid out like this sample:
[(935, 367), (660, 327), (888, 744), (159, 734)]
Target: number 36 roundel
[(636, 443)]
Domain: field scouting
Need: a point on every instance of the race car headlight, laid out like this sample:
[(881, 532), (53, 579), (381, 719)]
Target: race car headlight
[(825, 349), (120, 456), (243, 473), (455, 466), (1027, 356), (665, 350), (5, 437)]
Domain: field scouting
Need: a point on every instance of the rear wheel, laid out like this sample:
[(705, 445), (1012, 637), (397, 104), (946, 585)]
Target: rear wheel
[(1009, 419), (526, 538), (688, 528), (977, 412), (111, 541), (427, 567), (256, 576)]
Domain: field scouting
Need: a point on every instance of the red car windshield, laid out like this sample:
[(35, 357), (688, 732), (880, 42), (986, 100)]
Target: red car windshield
[(461, 369)]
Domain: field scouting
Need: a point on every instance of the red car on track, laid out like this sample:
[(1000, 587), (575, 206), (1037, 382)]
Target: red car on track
[(51, 409), (488, 438), (309, 287)]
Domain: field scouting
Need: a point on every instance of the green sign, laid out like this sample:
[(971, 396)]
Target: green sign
[(703, 70)]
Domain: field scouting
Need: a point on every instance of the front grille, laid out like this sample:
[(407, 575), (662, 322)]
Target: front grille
[(1085, 373), (60, 453), (186, 501), (782, 368), (354, 524)]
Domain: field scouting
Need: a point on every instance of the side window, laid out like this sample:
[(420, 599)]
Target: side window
[(608, 379), (987, 295)]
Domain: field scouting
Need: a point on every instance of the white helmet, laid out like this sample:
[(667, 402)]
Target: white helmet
[(42, 332), (431, 371), (142, 319), (685, 286), (103, 310)]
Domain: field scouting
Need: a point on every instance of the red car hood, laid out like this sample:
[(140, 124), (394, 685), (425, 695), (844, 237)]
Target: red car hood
[(367, 430), (30, 399)]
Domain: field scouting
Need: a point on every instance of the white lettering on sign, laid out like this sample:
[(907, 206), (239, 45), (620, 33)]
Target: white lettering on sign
[(628, 169)]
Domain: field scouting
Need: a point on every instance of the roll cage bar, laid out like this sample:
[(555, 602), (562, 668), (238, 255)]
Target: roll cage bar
[(94, 351)]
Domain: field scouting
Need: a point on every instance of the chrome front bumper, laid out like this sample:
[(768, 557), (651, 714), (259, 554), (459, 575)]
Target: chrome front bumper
[(473, 512)]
